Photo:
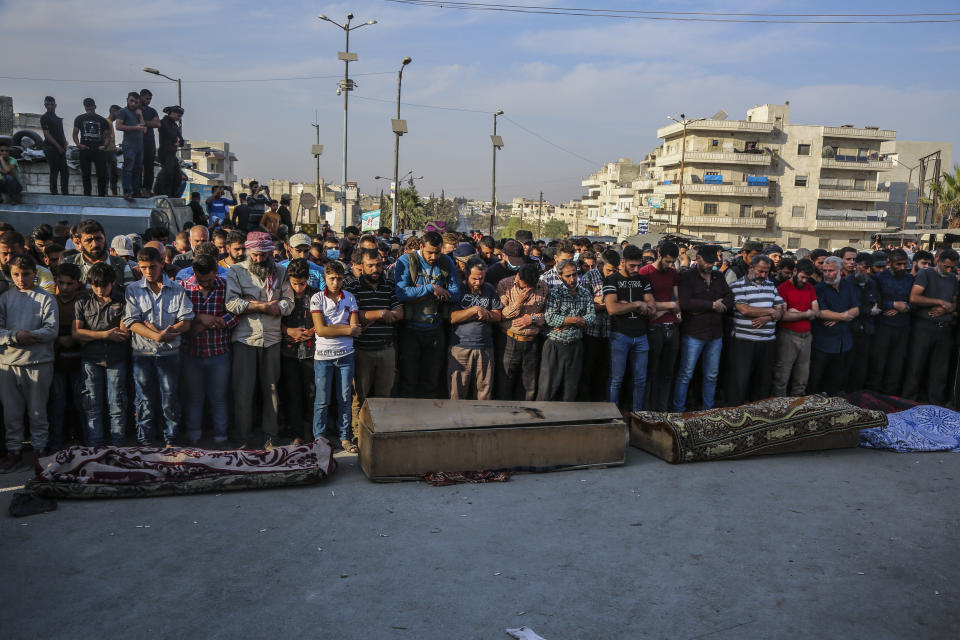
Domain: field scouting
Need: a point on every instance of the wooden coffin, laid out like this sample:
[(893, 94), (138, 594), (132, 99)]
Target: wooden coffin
[(404, 438)]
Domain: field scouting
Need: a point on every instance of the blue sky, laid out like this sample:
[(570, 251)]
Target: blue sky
[(597, 87)]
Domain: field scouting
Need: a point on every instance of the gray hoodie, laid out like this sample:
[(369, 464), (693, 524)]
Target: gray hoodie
[(34, 311)]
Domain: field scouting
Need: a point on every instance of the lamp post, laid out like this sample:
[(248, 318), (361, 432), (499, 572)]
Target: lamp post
[(345, 87), (497, 144), (399, 128), (683, 121), (317, 151), (177, 80)]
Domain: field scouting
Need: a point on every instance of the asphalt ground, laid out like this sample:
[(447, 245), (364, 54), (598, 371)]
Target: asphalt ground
[(840, 544)]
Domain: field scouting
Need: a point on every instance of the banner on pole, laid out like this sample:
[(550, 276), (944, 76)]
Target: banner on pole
[(370, 220)]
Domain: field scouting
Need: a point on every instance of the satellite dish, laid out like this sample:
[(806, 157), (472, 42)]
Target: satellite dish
[(307, 200), (720, 115), (887, 184)]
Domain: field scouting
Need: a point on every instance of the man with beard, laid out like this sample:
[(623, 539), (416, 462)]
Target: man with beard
[(785, 271), (11, 246), (259, 293), (664, 334), (739, 267), (793, 333), (864, 326), (831, 356), (93, 249), (704, 297), (934, 300), (513, 259), (818, 256), (151, 120), (753, 349), (236, 251), (375, 359), (921, 260), (568, 312), (470, 363), (891, 328)]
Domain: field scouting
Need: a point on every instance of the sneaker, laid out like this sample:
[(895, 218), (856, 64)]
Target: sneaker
[(11, 462)]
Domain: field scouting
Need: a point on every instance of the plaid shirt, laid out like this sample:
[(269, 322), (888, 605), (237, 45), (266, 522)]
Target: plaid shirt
[(562, 304), (592, 281), (210, 342)]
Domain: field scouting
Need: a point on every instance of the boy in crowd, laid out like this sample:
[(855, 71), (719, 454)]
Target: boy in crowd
[(28, 327), (98, 327), (296, 356), (67, 372)]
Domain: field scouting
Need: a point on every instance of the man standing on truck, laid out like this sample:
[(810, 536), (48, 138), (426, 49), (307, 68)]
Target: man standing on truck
[(90, 134), (55, 146)]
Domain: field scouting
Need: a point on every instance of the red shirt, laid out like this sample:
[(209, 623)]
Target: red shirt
[(798, 299), (662, 283)]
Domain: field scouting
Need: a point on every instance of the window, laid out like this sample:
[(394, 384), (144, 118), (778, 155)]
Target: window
[(824, 243), (854, 242), (793, 243), (803, 149), (799, 211), (744, 211), (710, 209), (709, 237), (799, 181), (860, 184)]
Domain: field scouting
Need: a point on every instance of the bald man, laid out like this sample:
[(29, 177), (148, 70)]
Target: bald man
[(198, 234)]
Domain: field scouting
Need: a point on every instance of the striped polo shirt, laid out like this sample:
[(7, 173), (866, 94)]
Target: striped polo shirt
[(756, 294), (378, 335)]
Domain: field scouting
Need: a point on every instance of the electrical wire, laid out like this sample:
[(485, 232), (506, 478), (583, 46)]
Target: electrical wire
[(697, 16), (208, 81)]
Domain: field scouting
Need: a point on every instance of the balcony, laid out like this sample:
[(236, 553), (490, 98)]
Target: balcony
[(750, 191), (723, 221), (590, 183), (857, 163), (623, 191), (850, 219), (717, 125), (854, 194), (644, 184), (859, 133), (716, 157)]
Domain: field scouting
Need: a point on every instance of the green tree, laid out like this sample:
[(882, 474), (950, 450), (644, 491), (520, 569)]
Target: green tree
[(513, 225), (554, 229), (947, 190)]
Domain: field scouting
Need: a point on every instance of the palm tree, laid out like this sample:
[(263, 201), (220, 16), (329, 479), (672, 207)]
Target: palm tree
[(947, 190)]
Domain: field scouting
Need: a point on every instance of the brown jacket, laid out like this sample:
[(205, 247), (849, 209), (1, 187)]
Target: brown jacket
[(517, 303)]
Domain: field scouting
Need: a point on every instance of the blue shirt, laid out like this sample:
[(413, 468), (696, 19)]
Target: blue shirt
[(893, 289), (427, 276), (170, 306), (839, 337), (217, 208), (315, 279), (183, 274)]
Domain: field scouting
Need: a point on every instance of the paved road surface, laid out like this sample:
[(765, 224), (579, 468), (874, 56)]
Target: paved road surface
[(845, 544)]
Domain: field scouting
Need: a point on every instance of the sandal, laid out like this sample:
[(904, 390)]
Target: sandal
[(348, 447)]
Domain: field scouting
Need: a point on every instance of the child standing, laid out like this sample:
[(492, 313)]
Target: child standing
[(29, 322), (336, 322), (296, 357)]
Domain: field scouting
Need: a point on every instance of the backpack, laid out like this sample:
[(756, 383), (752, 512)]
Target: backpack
[(429, 306)]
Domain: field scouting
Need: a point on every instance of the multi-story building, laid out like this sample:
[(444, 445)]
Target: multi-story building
[(765, 178), (903, 210), (531, 209), (213, 163), (610, 201)]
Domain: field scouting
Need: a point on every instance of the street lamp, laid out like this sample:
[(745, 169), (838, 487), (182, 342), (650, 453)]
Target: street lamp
[(497, 144), (345, 86), (395, 194), (177, 80), (399, 128), (683, 154)]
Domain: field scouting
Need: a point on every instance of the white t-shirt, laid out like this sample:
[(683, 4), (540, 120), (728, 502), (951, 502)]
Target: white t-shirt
[(335, 312)]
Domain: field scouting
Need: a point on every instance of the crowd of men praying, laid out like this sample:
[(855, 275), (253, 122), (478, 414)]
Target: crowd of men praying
[(237, 336)]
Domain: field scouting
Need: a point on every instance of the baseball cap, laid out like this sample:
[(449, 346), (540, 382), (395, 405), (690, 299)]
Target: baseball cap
[(464, 250), (299, 239), (709, 252), (772, 249), (512, 249), (122, 245)]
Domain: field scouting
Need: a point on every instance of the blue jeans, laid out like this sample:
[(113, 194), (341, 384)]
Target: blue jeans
[(132, 169), (690, 350), (330, 375), (206, 379), (156, 379), (624, 349), (10, 186), (64, 383), (105, 387)]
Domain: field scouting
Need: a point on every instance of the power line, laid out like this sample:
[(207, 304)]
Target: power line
[(697, 16), (423, 106), (205, 81), (552, 144)]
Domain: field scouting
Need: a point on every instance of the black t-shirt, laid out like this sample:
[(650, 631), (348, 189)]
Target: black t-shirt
[(54, 124), (633, 289), (93, 129), (149, 138)]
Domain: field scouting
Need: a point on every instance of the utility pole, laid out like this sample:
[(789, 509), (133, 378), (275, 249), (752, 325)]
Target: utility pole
[(683, 155), (317, 150), (540, 218), (497, 144), (399, 128)]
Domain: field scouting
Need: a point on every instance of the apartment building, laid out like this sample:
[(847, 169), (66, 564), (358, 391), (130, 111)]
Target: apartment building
[(764, 178), (212, 163), (610, 201), (530, 209)]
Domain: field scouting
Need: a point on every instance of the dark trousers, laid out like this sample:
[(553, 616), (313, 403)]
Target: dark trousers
[(888, 356), (931, 348), (149, 157), (12, 187), (830, 372), (560, 367), (595, 371), (422, 355), (110, 160), (93, 157), (859, 362), (664, 340), (58, 170), (516, 369), (749, 372), (296, 383), (168, 182)]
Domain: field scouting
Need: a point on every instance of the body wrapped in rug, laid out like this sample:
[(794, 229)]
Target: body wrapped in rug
[(122, 472), (922, 428), (774, 425)]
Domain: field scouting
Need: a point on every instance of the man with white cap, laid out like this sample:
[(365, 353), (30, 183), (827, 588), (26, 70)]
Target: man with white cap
[(259, 293), (298, 246)]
